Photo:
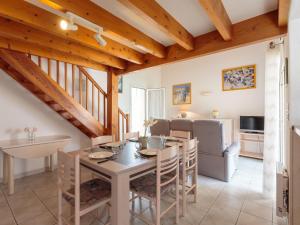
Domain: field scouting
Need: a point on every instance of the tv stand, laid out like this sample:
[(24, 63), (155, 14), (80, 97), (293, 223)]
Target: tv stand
[(252, 144)]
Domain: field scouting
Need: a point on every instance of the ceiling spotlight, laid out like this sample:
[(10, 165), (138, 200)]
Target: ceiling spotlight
[(68, 25), (101, 41)]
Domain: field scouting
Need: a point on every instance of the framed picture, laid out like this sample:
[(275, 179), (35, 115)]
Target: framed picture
[(239, 78), (120, 85), (182, 94)]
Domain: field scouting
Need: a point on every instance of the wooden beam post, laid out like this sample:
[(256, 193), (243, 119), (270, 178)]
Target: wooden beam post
[(112, 102), (218, 15)]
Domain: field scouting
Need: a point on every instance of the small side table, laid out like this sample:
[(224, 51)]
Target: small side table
[(44, 147)]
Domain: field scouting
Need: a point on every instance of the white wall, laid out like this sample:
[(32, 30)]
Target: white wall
[(148, 78), (19, 109), (205, 75)]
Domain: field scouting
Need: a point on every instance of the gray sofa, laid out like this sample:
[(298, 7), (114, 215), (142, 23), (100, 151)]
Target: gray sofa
[(214, 158)]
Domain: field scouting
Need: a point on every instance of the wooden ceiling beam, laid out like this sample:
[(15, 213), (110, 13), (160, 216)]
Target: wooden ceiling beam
[(218, 15), (283, 12), (114, 27), (152, 12), (254, 30), (34, 49), (12, 29), (26, 13)]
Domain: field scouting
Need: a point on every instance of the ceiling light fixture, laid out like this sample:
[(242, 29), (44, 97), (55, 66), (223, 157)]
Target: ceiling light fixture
[(98, 36), (68, 25)]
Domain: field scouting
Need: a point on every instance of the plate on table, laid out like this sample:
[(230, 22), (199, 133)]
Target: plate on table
[(100, 155), (113, 144), (173, 143), (148, 152)]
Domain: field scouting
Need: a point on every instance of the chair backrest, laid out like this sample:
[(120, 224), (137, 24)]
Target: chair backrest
[(131, 135), (209, 133), (162, 127), (68, 173), (190, 154), (102, 140), (180, 134), (167, 166), (182, 125)]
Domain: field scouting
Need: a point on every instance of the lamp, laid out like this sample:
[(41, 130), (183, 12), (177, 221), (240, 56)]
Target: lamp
[(100, 40), (68, 25)]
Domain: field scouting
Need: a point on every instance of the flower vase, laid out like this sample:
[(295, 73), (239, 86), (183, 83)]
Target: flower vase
[(143, 141)]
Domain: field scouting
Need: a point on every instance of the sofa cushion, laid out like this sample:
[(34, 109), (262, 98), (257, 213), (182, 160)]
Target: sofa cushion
[(182, 125), (210, 136), (162, 127)]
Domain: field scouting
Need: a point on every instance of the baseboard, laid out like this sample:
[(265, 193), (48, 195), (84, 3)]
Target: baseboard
[(26, 174)]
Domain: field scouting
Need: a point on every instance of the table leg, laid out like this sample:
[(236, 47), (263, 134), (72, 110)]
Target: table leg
[(120, 200), (11, 179), (51, 163), (46, 163), (4, 168)]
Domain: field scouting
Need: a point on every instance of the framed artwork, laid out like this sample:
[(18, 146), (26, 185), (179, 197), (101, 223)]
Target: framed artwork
[(239, 78), (120, 85), (182, 94)]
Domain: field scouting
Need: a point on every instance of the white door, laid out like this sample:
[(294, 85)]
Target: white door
[(156, 103), (138, 109)]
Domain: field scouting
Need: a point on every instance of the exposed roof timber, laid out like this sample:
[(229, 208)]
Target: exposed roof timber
[(218, 15), (31, 15), (34, 49), (254, 30), (114, 27), (12, 29), (151, 11), (283, 12)]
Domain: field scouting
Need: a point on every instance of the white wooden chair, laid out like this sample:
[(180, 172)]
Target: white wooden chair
[(102, 140), (152, 186), (180, 134), (84, 197), (131, 135), (188, 169)]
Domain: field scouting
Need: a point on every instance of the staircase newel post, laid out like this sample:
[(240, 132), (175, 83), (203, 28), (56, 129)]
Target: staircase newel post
[(112, 103)]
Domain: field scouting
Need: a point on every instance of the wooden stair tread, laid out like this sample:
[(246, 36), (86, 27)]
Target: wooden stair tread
[(21, 68)]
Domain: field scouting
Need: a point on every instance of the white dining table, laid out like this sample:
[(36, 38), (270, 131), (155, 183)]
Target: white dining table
[(120, 171)]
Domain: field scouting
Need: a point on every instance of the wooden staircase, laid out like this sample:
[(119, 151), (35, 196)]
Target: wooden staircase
[(62, 100)]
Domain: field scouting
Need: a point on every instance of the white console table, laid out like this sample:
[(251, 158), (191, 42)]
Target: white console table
[(45, 147), (252, 145)]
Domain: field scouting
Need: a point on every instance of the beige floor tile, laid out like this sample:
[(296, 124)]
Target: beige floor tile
[(43, 219), (6, 217), (220, 216), (229, 201), (257, 210), (246, 219), (25, 208), (46, 192)]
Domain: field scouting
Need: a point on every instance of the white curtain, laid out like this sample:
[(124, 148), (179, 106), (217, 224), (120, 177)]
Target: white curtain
[(272, 118)]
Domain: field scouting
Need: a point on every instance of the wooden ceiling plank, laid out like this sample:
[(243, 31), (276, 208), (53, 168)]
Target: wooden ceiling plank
[(34, 49), (152, 12), (283, 12), (218, 15), (114, 27), (31, 15), (254, 30), (9, 28)]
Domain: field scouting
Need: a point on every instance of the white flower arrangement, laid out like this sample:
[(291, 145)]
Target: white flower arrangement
[(147, 124)]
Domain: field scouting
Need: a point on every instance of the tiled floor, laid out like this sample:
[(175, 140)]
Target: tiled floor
[(239, 202)]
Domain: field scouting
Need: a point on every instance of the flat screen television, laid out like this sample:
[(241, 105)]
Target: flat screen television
[(252, 124)]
